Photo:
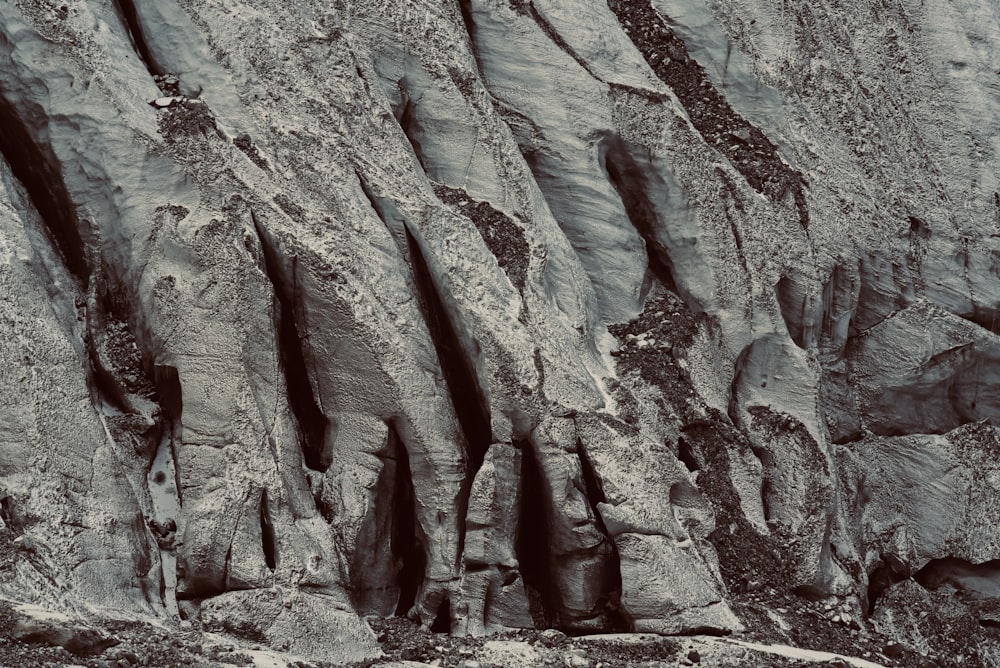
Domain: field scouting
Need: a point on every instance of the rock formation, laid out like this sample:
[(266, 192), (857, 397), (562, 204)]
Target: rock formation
[(625, 315)]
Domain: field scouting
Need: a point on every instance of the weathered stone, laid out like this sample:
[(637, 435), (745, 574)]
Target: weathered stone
[(309, 313)]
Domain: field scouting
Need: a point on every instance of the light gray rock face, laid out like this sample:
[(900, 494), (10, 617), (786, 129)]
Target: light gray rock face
[(496, 314)]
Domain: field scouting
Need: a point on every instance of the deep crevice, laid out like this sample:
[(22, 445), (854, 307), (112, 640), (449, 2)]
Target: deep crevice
[(465, 9), (594, 491), (792, 309), (459, 370), (460, 374), (313, 424), (533, 527), (129, 16), (38, 171), (268, 538), (405, 543), (889, 571), (447, 332), (976, 580), (686, 454), (169, 394), (168, 390), (629, 180), (442, 621)]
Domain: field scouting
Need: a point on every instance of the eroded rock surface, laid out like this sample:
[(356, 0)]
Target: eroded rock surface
[(628, 316)]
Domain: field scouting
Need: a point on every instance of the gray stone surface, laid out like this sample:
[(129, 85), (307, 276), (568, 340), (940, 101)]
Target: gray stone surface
[(606, 316)]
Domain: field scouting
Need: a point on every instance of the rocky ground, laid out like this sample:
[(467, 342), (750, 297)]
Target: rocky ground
[(778, 632)]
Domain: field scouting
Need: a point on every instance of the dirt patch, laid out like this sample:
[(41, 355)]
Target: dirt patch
[(244, 142), (502, 235), (186, 118), (749, 150), (654, 343)]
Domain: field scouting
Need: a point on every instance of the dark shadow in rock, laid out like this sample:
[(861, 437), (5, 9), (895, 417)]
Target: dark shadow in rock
[(269, 541), (450, 342), (594, 490), (631, 181), (407, 548), (533, 540), (38, 171), (889, 571), (976, 581), (129, 16), (316, 431)]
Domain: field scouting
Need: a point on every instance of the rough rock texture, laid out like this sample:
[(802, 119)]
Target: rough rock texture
[(637, 315)]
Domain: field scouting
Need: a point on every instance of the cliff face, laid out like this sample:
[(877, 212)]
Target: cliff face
[(604, 316)]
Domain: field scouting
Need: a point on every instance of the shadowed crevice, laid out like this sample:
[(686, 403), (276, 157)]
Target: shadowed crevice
[(407, 547), (632, 184), (38, 171), (889, 571), (531, 546), (460, 373), (979, 581), (314, 426), (269, 540), (129, 16)]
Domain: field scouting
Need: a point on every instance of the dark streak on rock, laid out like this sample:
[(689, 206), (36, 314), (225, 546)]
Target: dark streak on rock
[(129, 16), (745, 145), (37, 169), (314, 426), (502, 236)]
